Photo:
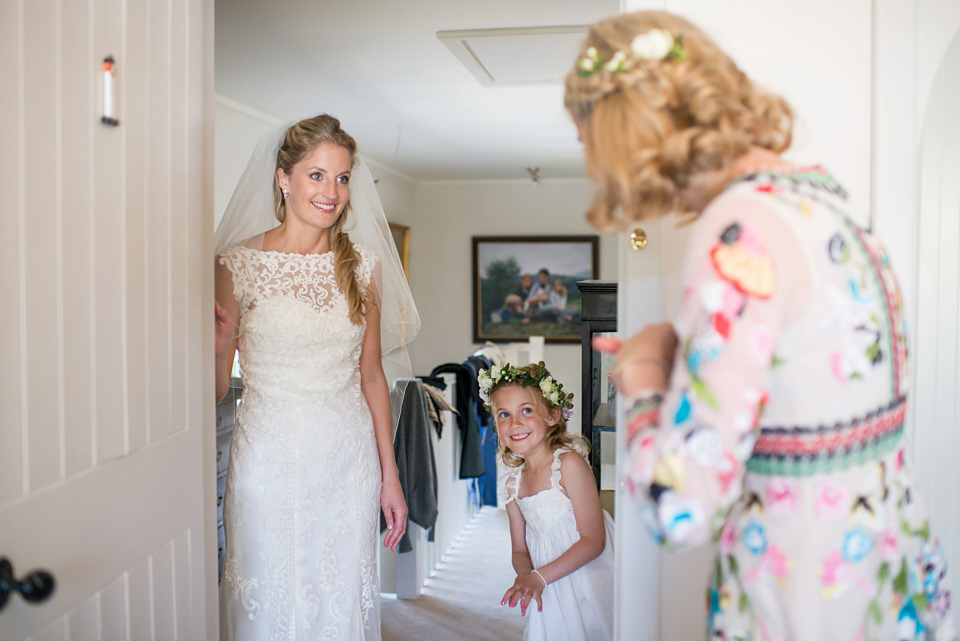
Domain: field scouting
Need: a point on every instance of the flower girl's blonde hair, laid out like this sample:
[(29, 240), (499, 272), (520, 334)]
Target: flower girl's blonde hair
[(532, 377)]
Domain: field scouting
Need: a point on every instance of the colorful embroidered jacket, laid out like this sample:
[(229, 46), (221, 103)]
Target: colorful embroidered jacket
[(781, 435)]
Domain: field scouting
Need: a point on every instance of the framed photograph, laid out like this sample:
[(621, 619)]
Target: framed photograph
[(526, 286)]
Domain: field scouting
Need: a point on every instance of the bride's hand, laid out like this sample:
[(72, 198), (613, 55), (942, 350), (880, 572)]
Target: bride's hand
[(224, 328), (394, 512)]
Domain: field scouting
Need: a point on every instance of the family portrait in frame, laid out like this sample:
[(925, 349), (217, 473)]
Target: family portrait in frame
[(527, 286)]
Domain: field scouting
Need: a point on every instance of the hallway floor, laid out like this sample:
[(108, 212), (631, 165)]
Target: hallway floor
[(461, 602)]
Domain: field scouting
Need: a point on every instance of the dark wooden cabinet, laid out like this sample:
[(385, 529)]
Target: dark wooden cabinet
[(597, 396)]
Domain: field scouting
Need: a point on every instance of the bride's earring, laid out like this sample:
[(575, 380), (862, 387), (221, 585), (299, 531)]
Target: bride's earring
[(286, 194)]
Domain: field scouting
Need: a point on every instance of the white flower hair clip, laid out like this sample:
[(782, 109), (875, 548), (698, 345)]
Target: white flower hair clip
[(656, 44)]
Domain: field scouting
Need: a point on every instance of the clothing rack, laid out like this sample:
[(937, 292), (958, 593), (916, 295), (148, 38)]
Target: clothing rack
[(405, 574)]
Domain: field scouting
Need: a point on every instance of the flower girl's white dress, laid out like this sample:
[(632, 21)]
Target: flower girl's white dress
[(578, 607)]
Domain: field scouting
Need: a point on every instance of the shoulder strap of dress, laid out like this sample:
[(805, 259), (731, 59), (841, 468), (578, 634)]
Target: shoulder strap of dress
[(368, 262), (511, 486), (555, 468)]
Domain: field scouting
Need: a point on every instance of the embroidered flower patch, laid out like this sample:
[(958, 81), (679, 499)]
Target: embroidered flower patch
[(743, 259)]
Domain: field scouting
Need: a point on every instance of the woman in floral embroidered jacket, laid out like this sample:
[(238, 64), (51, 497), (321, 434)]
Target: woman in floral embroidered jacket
[(770, 414)]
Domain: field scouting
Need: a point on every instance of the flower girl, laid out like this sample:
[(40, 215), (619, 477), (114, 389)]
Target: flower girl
[(562, 539)]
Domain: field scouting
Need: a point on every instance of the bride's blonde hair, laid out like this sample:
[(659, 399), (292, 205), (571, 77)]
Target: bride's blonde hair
[(651, 125), (298, 143)]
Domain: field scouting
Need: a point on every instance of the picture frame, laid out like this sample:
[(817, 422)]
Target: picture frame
[(505, 310)]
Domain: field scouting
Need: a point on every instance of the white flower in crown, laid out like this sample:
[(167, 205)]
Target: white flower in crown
[(652, 45), (484, 382), (546, 385), (537, 374)]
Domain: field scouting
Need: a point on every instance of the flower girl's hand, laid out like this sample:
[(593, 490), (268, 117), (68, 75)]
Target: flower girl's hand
[(527, 587)]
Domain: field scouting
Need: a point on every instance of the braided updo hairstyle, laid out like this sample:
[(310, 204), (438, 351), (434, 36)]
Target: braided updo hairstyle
[(298, 143), (648, 128)]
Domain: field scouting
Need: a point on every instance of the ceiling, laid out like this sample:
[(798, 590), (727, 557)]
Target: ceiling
[(404, 94)]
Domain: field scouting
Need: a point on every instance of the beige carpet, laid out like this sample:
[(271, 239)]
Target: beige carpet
[(461, 602)]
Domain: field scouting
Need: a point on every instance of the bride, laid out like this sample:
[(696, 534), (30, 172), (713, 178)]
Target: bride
[(310, 311)]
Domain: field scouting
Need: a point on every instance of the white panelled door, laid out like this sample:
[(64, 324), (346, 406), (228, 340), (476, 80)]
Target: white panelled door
[(106, 413), (937, 335), (817, 54)]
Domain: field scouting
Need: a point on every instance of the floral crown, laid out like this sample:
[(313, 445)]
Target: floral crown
[(655, 44), (526, 376)]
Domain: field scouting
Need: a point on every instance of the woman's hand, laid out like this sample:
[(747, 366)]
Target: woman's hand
[(224, 328), (644, 360), (394, 512), (527, 588)]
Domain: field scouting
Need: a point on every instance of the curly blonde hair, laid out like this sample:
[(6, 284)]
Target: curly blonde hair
[(298, 143), (557, 434), (652, 125)]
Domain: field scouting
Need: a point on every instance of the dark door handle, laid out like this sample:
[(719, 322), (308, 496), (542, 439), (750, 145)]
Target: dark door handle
[(34, 588)]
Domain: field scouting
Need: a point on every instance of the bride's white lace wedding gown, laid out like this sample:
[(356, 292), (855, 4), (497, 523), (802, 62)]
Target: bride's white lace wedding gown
[(302, 500)]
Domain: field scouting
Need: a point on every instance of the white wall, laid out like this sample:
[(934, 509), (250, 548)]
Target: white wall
[(448, 215), (398, 193), (236, 130), (825, 73)]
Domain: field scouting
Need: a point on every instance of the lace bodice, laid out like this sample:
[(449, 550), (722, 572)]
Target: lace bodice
[(291, 339), (260, 274), (302, 496)]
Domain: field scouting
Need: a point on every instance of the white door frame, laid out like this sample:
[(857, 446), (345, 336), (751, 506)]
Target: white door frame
[(107, 460)]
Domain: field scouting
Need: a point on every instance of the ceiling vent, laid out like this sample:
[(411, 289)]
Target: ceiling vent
[(516, 56)]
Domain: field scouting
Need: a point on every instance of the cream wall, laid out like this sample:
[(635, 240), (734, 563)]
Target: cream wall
[(398, 193), (236, 129)]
